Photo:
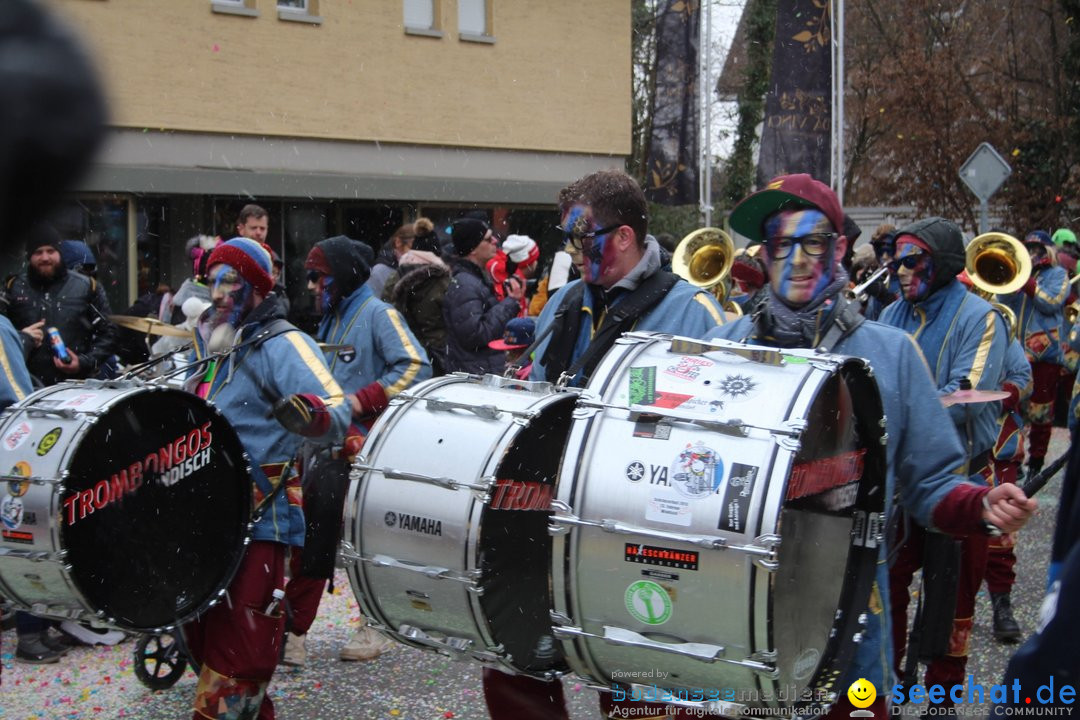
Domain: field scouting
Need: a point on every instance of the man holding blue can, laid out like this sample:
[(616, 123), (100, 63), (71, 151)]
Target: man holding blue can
[(63, 315)]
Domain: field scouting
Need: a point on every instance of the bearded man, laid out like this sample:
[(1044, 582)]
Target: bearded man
[(270, 382)]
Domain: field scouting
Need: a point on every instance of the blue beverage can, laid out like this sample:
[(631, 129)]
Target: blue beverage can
[(58, 347)]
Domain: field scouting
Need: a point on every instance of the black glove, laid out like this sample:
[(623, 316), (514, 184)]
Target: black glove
[(880, 290), (294, 412)]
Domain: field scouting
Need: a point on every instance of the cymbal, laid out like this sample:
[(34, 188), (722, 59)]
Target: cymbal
[(149, 325), (961, 397)]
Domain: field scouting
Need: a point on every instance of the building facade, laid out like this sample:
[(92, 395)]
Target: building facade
[(339, 117)]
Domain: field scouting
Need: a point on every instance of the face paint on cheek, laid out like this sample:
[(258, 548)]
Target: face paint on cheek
[(326, 293), (241, 299)]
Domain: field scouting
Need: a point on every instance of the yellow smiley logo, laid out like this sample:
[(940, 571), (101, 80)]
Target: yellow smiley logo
[(862, 693)]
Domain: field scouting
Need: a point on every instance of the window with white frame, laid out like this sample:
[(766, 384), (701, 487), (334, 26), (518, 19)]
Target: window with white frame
[(421, 17), (235, 7), (474, 20), (299, 10)]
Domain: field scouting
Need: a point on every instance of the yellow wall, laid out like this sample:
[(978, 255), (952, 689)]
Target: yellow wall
[(557, 78)]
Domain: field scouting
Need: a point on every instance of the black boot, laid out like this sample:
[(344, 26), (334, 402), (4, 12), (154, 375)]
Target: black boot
[(33, 650), (1034, 466), (1006, 629)]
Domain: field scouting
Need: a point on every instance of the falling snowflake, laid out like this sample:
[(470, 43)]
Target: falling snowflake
[(736, 386)]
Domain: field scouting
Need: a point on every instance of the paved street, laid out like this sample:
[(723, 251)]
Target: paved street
[(404, 684)]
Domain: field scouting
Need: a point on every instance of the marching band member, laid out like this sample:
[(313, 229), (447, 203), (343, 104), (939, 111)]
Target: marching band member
[(273, 387), (605, 217), (799, 220), (377, 357), (963, 338), (1038, 308)]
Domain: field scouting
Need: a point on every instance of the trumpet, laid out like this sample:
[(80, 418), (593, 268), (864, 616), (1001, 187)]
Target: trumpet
[(997, 263), (858, 293)]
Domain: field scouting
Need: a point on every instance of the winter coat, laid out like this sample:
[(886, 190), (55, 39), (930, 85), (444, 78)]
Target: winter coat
[(385, 357), (474, 317), (418, 294), (1040, 316), (244, 385), (961, 336), (76, 306)]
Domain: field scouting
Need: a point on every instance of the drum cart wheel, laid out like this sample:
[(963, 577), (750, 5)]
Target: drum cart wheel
[(160, 661)]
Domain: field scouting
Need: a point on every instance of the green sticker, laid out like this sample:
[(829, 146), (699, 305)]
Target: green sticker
[(642, 385), (48, 440), (648, 602), (795, 359)]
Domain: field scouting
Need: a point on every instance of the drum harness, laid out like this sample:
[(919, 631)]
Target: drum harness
[(619, 318)]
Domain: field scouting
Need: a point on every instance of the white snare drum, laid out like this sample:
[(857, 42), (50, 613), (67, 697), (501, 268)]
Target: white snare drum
[(447, 519), (123, 503), (718, 517)]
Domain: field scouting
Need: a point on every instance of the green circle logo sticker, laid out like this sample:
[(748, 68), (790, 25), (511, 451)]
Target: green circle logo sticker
[(648, 602), (48, 440)]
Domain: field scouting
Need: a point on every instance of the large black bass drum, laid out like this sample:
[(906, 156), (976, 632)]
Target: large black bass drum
[(717, 523), (123, 503), (446, 522)]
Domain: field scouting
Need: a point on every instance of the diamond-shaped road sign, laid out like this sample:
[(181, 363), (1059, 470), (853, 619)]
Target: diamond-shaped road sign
[(984, 171)]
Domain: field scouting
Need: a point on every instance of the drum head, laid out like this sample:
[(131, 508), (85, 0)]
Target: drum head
[(155, 509), (515, 545)]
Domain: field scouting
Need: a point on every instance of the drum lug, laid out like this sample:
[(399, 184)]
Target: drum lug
[(585, 411), (559, 618), (348, 553), (768, 543), (788, 443), (765, 656)]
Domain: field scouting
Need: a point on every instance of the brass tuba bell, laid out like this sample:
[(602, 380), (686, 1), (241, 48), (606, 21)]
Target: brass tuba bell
[(704, 258), (998, 264)]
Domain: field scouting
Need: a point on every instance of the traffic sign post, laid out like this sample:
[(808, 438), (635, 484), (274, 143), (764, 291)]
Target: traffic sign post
[(984, 172)]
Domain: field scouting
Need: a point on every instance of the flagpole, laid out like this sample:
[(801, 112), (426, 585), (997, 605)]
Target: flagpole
[(838, 94), (705, 133)]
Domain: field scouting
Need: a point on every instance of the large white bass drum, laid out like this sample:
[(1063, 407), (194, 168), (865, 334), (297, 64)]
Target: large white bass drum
[(446, 522), (718, 517)]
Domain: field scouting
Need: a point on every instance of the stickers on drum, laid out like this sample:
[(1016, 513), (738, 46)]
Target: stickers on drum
[(751, 480), (148, 499)]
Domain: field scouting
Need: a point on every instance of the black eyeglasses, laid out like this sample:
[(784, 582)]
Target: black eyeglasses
[(908, 261), (314, 276), (814, 245), (576, 239)]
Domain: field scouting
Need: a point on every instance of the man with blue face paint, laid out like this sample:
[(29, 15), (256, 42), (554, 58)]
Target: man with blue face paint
[(273, 387), (606, 217), (963, 338), (799, 221)]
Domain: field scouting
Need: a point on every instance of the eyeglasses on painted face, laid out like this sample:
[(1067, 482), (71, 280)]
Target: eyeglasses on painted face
[(576, 239), (908, 261), (314, 276), (814, 245)]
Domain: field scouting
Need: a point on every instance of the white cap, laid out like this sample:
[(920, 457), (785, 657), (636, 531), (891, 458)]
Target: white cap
[(518, 247)]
